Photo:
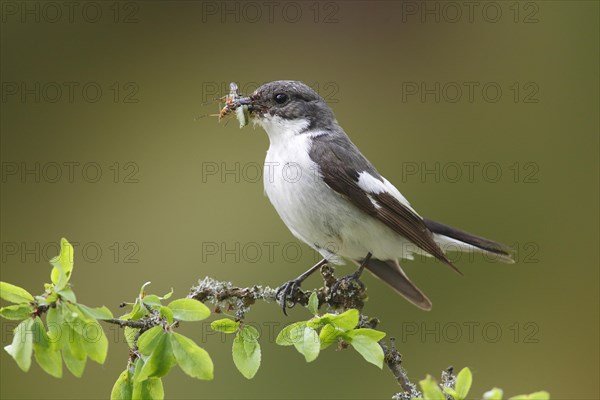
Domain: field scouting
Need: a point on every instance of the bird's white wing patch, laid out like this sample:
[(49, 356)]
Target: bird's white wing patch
[(374, 202), (370, 184)]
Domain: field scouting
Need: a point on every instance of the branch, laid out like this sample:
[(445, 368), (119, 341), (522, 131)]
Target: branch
[(143, 324), (348, 295), (393, 359), (227, 297)]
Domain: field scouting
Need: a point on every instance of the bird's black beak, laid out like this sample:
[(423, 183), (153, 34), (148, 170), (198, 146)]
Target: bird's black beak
[(245, 101), (242, 101)]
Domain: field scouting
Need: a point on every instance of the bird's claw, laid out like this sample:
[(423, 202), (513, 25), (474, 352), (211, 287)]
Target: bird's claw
[(346, 282), (286, 293)]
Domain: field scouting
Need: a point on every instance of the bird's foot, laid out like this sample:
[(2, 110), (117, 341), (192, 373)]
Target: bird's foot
[(288, 294), (347, 283)]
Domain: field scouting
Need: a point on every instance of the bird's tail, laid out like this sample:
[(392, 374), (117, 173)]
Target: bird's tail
[(449, 238), (391, 273)]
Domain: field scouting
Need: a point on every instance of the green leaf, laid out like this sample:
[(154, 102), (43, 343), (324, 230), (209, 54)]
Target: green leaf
[(316, 322), (123, 387), (225, 325), (542, 395), (100, 313), (310, 345), (148, 340), (73, 340), (95, 342), (291, 334), (366, 332), (87, 331), (71, 336), (14, 294), (71, 313), (138, 364), (151, 388), (246, 351), (137, 312), (41, 300), (369, 349), (161, 359), (250, 332), (54, 321), (166, 313), (168, 295), (22, 345), (47, 354), (431, 390), (50, 298), (16, 312), (464, 379), (130, 334), (152, 300), (313, 303), (67, 294), (493, 394), (143, 289), (344, 321), (329, 335), (63, 265), (192, 359), (74, 354), (189, 310), (451, 392)]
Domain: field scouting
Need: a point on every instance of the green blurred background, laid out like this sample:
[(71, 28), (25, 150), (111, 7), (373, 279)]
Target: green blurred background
[(156, 213)]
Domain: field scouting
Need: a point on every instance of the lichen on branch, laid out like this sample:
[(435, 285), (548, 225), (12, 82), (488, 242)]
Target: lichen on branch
[(348, 295)]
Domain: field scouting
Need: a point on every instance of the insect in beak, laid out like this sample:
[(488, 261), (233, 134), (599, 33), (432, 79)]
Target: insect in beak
[(234, 102)]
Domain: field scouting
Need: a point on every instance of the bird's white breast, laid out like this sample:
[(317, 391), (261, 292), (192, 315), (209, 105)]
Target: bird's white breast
[(312, 211), (292, 182)]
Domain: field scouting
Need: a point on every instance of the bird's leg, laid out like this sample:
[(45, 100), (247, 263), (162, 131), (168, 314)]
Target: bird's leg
[(354, 277), (287, 289)]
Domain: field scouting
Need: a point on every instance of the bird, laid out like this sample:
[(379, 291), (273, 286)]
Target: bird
[(333, 199)]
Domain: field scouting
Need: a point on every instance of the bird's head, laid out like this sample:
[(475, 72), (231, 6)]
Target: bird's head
[(286, 107)]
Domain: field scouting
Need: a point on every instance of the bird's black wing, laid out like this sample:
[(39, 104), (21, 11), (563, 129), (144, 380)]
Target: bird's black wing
[(391, 273), (341, 163)]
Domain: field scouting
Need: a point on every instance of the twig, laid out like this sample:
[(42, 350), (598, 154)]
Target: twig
[(226, 296), (140, 324), (348, 295), (393, 359)]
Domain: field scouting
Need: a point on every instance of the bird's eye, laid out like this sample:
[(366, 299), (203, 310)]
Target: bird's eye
[(281, 98)]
